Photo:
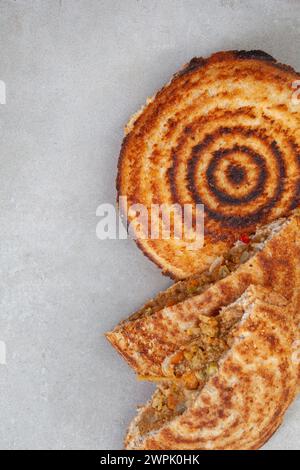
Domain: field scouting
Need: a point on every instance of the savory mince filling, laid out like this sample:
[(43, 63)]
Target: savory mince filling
[(186, 371), (242, 251), (195, 362), (167, 402)]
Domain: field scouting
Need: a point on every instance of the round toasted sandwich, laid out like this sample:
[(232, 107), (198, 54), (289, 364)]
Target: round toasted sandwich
[(223, 135)]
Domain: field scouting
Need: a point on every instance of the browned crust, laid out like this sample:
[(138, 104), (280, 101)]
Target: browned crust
[(145, 342), (243, 405), (198, 62), (175, 270)]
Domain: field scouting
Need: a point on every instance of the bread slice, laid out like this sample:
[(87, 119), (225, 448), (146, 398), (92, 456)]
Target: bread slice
[(224, 132), (243, 395), (172, 320)]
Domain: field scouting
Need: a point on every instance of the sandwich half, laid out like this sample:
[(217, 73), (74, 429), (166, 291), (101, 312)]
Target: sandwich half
[(230, 387), (271, 259)]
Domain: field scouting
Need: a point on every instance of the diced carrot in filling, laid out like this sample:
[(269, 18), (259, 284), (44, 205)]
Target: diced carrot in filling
[(177, 358), (167, 402)]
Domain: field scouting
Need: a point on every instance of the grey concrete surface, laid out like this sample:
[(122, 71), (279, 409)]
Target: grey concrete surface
[(75, 70)]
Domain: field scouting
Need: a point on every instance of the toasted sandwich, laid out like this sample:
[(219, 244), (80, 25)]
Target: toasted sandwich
[(223, 133)]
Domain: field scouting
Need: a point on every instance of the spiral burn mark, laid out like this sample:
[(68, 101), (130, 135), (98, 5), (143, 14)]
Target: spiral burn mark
[(296, 201), (236, 174), (234, 221), (226, 198)]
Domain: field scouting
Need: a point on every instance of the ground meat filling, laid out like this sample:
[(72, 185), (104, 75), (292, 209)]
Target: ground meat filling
[(168, 401), (221, 267), (195, 362)]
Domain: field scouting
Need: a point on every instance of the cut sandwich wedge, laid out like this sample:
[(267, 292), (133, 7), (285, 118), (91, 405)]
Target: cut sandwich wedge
[(247, 379), (177, 316)]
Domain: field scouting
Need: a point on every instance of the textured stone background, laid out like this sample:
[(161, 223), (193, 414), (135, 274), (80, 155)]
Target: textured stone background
[(75, 70)]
